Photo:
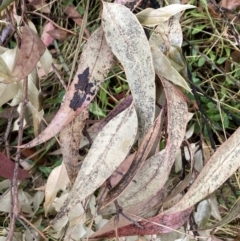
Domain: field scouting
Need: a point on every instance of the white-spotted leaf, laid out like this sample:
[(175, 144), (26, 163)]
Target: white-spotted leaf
[(155, 171), (107, 152), (129, 43)]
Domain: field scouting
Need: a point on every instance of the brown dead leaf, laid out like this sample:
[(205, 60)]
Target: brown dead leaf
[(72, 12), (7, 168), (32, 48), (58, 34), (235, 57), (46, 38), (41, 5), (95, 62), (230, 4), (70, 138)]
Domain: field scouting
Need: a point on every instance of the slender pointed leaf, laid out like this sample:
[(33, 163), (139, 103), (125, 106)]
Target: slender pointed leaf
[(107, 152), (129, 43), (224, 162), (95, 63)]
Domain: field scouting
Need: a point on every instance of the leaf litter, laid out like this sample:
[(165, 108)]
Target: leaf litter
[(116, 136)]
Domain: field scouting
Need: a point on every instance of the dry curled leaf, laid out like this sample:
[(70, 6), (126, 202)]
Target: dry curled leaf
[(107, 152), (164, 68), (230, 4), (58, 34), (57, 180), (151, 17), (95, 63), (223, 163), (73, 13), (31, 50), (167, 34), (137, 163), (129, 44), (122, 106), (155, 171)]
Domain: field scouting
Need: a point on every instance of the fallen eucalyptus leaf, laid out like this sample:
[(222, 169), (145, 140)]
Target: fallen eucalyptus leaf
[(107, 152), (57, 180), (164, 68), (151, 17), (32, 48), (223, 163), (129, 44), (167, 34), (95, 62)]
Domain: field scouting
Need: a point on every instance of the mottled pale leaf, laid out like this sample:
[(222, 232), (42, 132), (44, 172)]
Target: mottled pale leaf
[(31, 50), (224, 162), (167, 34), (154, 173), (164, 68), (137, 163), (107, 152), (70, 138), (95, 63), (152, 17), (57, 180), (121, 170), (129, 43)]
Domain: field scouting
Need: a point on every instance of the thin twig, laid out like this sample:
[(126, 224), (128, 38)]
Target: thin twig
[(14, 183), (56, 25), (59, 76), (80, 38), (30, 224)]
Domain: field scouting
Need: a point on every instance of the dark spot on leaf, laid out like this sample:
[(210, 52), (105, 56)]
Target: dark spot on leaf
[(82, 80), (77, 100), (82, 89)]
